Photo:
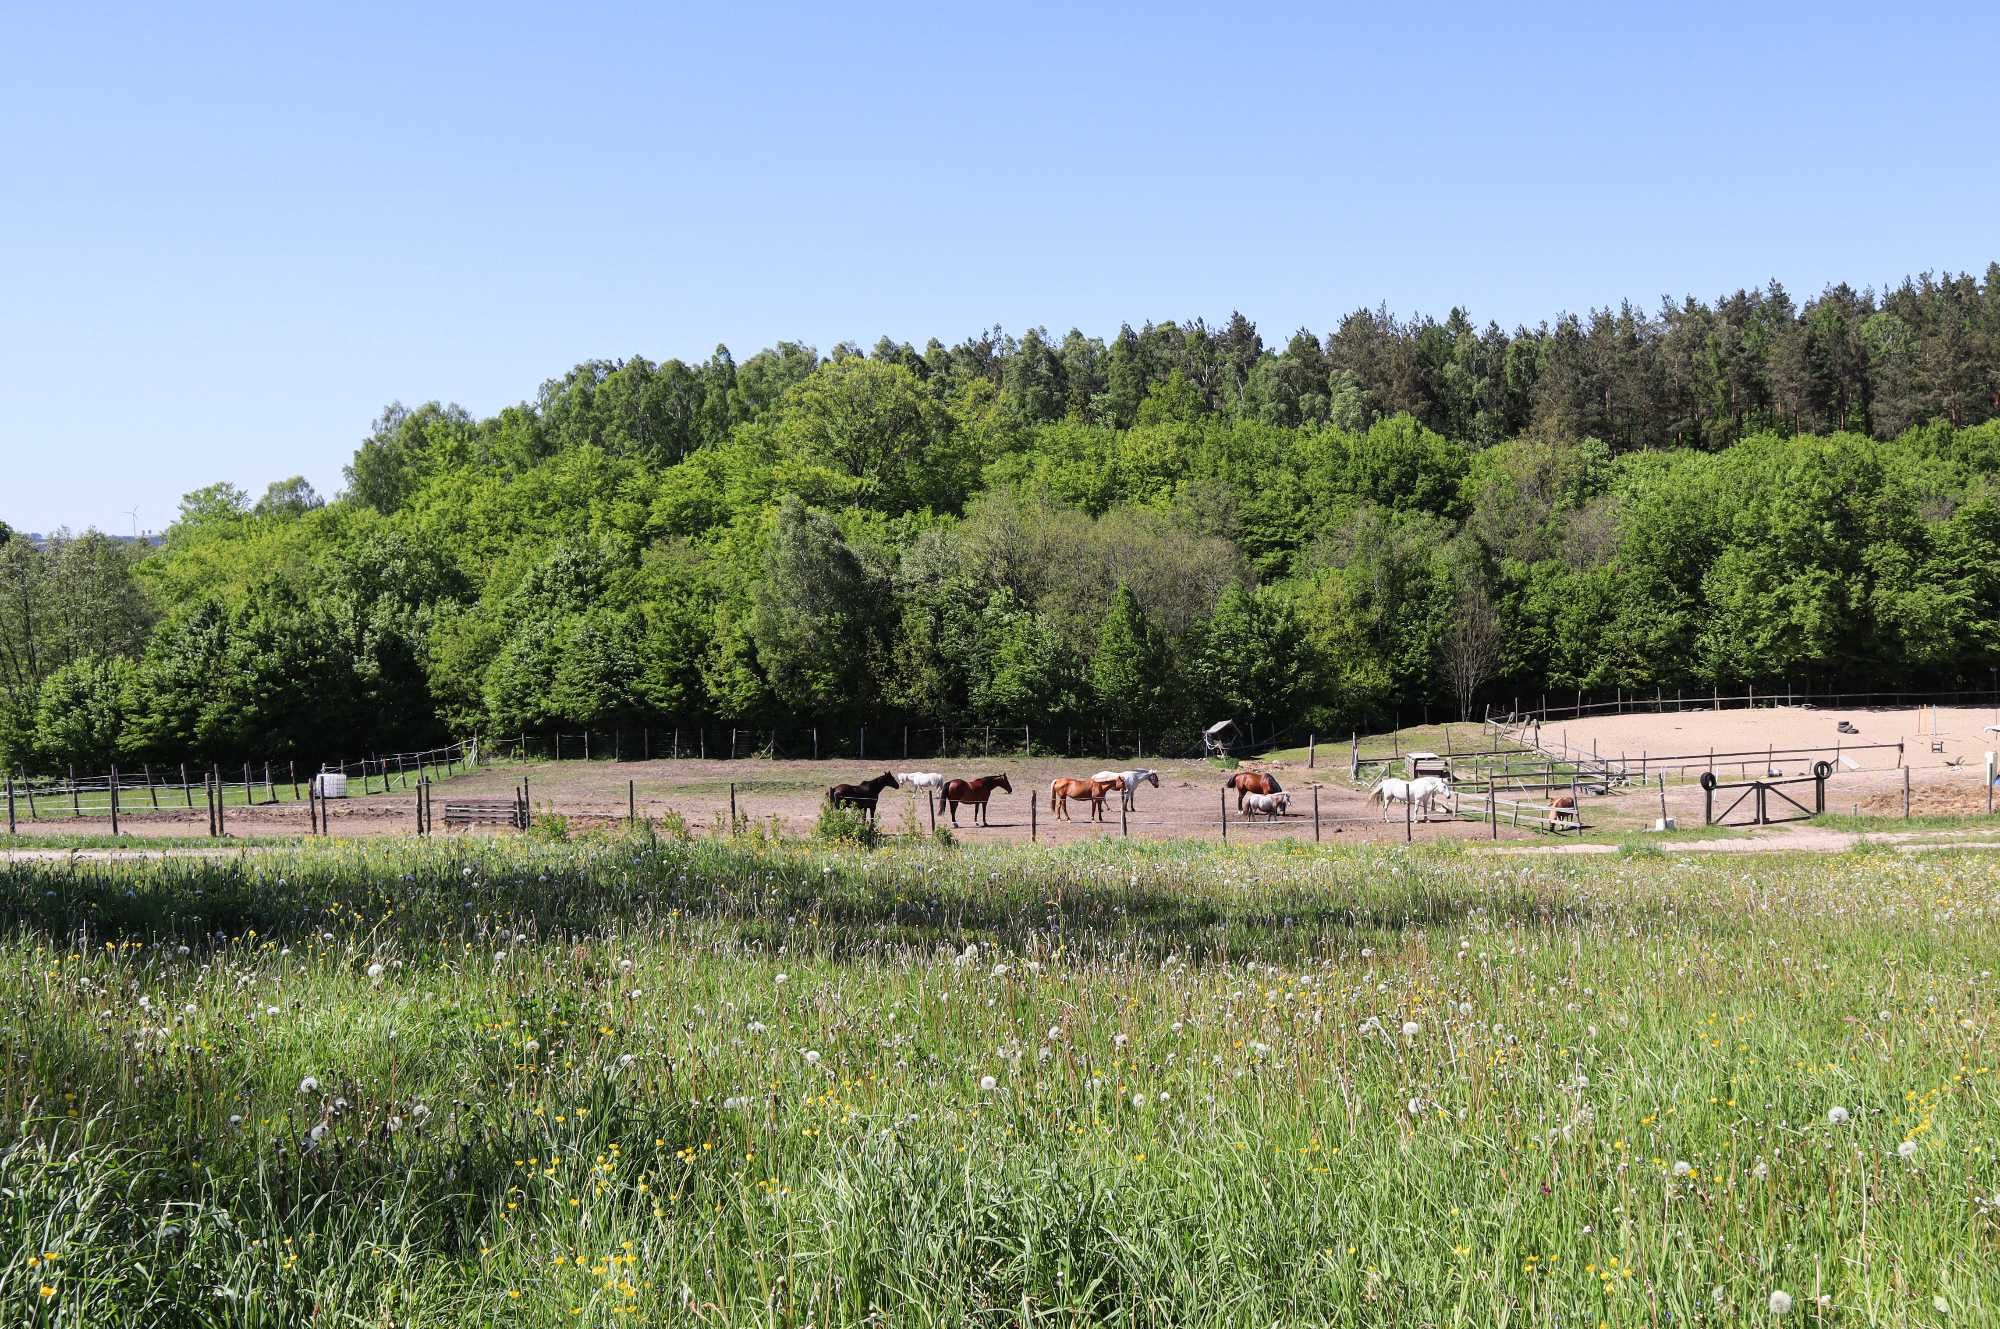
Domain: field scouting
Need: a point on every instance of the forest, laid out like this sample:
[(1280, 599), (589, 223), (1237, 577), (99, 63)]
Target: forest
[(1140, 534)]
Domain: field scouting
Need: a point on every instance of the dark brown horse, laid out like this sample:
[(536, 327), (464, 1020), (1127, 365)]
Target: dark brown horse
[(861, 795), (975, 792), (1252, 782)]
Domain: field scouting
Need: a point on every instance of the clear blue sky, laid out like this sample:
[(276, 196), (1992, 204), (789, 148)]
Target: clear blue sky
[(230, 237)]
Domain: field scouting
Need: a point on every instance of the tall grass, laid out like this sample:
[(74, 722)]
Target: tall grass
[(621, 1081)]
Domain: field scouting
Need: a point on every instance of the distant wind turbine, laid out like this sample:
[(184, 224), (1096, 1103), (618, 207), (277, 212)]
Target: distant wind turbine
[(133, 513)]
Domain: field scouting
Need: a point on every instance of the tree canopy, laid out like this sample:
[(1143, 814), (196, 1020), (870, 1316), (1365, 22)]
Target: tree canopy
[(1144, 532)]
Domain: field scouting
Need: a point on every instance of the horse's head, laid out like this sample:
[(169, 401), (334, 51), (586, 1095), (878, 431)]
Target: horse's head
[(1152, 778), (890, 780), (1000, 782)]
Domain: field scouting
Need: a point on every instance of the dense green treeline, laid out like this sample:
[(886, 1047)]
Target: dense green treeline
[(1147, 534)]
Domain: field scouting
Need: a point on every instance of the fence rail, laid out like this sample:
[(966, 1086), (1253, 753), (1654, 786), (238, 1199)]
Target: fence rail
[(1784, 694), (879, 743)]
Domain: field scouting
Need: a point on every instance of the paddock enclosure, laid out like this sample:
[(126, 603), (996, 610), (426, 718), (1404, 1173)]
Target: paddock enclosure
[(1624, 768)]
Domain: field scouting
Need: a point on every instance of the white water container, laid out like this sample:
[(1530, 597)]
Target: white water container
[(329, 784)]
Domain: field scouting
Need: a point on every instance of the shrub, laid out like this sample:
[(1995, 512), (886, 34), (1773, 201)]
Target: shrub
[(846, 826)]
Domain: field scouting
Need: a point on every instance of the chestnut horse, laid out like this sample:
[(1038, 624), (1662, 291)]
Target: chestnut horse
[(861, 795), (1252, 782), (975, 792), (1061, 791)]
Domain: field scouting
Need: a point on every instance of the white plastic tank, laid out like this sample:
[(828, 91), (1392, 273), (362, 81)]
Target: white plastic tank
[(330, 784)]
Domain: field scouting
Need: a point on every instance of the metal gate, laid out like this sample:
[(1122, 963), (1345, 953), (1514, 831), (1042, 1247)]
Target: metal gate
[(1764, 802)]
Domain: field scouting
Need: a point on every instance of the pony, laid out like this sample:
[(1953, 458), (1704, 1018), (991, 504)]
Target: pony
[(1062, 790), (861, 795), (1270, 805), (975, 792), (1420, 793), (1252, 782), (1129, 782), (920, 779)]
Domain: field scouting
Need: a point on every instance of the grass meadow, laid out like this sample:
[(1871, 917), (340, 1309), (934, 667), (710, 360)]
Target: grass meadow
[(627, 1081)]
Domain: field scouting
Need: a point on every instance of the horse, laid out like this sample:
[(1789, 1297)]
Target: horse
[(1270, 805), (1421, 792), (1252, 782), (1129, 782), (1062, 790), (975, 792), (920, 779), (861, 795)]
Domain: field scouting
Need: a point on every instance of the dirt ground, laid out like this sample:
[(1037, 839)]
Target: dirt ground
[(1189, 801)]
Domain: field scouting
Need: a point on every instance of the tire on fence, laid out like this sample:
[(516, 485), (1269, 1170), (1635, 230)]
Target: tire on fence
[(1823, 770), (1708, 780)]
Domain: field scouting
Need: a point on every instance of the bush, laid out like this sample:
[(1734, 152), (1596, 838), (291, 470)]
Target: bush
[(846, 826), (549, 828)]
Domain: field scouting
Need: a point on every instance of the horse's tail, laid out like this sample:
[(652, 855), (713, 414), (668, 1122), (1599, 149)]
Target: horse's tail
[(1229, 783), (1052, 794)]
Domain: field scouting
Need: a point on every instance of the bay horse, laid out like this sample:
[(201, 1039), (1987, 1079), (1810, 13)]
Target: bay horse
[(861, 795), (975, 792), (1062, 790), (1129, 782), (1252, 782)]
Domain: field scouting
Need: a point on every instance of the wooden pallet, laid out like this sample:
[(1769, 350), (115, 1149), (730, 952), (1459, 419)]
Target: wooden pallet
[(482, 812)]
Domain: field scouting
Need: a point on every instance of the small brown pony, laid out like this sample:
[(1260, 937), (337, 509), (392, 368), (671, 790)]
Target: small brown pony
[(861, 795), (1061, 791), (975, 792), (1252, 782)]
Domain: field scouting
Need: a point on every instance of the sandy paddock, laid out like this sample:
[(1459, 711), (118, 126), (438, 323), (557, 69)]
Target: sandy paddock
[(1189, 802), (1868, 775)]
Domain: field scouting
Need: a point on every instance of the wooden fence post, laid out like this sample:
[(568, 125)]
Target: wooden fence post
[(75, 808), (312, 808), (152, 790), (10, 795), (1225, 814), (930, 801), (1312, 751), (1315, 814), (1124, 822), (1906, 793), (631, 803), (1409, 822), (732, 788), (114, 800), (1033, 828)]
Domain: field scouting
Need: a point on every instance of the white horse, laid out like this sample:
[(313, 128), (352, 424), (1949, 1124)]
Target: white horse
[(1420, 793), (920, 779), (1270, 805), (1129, 782)]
